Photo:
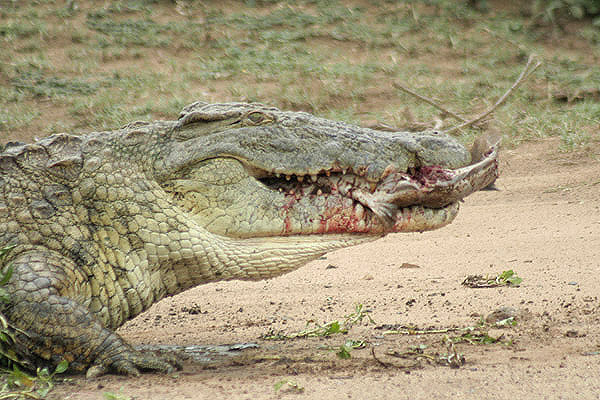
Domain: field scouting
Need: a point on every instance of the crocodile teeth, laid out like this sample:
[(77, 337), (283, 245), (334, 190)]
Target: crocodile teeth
[(288, 177), (300, 178), (360, 211), (313, 177)]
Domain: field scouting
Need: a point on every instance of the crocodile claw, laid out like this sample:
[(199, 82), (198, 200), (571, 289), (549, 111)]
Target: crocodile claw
[(131, 361)]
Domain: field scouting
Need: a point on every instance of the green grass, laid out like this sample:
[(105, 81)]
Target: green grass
[(104, 64)]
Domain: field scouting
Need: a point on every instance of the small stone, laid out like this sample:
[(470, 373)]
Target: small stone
[(409, 265), (572, 333)]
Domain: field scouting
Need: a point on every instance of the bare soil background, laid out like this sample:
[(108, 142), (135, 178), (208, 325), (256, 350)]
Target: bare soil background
[(544, 223)]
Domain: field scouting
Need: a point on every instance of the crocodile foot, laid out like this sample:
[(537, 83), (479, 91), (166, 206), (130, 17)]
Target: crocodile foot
[(130, 361)]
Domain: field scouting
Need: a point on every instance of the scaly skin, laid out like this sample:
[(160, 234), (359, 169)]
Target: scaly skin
[(106, 224)]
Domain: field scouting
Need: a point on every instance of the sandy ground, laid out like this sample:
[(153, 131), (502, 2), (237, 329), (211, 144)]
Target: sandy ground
[(544, 223)]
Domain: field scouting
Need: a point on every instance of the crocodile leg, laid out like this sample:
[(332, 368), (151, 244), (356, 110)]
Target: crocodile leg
[(52, 322)]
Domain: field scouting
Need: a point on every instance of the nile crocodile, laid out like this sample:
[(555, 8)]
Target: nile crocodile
[(105, 224)]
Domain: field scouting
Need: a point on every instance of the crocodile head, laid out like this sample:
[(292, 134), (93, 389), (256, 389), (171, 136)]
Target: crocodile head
[(246, 170)]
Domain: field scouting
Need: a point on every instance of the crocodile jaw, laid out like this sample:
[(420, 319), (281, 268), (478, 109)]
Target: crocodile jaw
[(330, 203)]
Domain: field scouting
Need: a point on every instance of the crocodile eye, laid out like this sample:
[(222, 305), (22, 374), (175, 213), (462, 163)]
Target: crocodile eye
[(256, 117)]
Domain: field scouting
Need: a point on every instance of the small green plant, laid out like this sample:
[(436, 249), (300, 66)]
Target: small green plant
[(331, 328), (357, 316), (344, 350), (313, 329), (452, 358), (21, 385), (473, 336), (509, 278), (288, 385), (506, 278)]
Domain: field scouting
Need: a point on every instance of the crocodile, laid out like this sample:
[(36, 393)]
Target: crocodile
[(102, 225)]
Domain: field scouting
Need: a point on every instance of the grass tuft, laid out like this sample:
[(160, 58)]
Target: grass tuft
[(335, 59)]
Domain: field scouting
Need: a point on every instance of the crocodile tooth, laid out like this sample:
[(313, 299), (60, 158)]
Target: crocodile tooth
[(292, 191), (328, 173), (300, 178), (373, 186), (313, 177), (278, 175), (288, 177), (344, 171), (360, 211), (319, 192)]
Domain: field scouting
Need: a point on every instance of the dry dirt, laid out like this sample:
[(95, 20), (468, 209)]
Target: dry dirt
[(544, 223)]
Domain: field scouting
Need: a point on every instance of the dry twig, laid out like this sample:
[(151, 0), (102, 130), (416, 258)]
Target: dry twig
[(527, 71), (383, 364), (427, 100)]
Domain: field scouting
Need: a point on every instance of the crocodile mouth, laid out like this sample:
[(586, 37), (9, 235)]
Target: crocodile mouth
[(422, 198), (261, 203)]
